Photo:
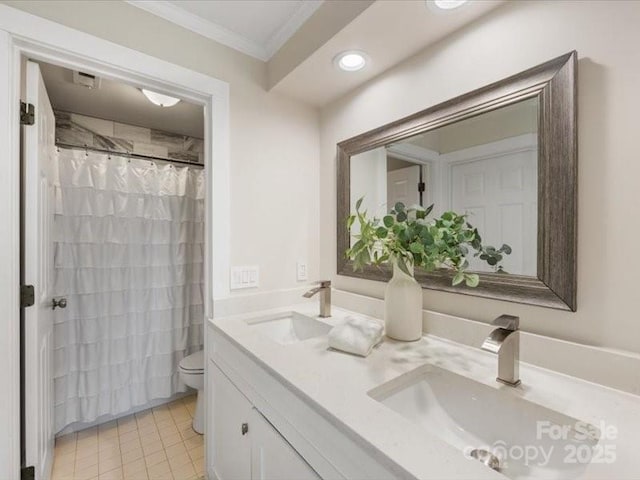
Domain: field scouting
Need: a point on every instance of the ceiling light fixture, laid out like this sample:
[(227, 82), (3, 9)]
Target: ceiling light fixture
[(350, 61), (448, 4), (160, 99)]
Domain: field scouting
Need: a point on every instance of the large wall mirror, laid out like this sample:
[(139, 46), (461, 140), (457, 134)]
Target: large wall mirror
[(506, 156)]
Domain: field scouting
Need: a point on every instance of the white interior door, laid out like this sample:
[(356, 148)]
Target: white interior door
[(500, 195), (39, 153), (402, 186)]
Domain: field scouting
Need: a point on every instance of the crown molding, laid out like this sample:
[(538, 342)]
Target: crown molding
[(220, 34), (284, 33)]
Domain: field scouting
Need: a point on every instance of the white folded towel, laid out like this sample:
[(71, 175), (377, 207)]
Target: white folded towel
[(356, 335)]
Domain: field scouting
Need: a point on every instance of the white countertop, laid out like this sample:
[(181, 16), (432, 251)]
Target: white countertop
[(337, 383)]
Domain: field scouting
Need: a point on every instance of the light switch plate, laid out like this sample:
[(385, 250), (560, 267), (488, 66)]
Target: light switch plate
[(245, 277), (301, 271)]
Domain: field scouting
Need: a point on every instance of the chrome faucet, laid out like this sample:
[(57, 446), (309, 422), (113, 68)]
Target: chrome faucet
[(505, 341), (325, 297)]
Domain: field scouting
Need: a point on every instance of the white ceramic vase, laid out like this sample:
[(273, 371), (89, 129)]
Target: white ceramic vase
[(403, 306)]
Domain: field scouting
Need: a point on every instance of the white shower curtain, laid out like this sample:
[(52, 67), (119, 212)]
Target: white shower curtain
[(129, 251)]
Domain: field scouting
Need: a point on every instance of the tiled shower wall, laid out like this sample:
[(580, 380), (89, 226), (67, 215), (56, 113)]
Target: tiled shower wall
[(81, 130)]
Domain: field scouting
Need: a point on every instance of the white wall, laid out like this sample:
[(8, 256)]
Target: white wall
[(513, 38), (274, 140)]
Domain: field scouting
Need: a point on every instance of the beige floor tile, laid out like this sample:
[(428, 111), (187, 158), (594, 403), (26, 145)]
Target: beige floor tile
[(86, 473), (64, 459), (85, 462), (109, 444), (130, 455), (153, 447), (160, 471), (133, 467), (130, 444), (177, 449), (155, 444), (129, 436), (155, 458), (149, 436), (199, 466), (197, 453), (170, 440), (187, 431), (193, 442), (184, 472), (107, 453), (141, 475), (177, 461), (86, 451), (108, 464), (115, 474), (109, 433), (166, 424), (56, 475)]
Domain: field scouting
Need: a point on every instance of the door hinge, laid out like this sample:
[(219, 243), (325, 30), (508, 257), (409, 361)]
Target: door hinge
[(244, 428), (27, 114), (27, 296), (421, 187), (28, 473)]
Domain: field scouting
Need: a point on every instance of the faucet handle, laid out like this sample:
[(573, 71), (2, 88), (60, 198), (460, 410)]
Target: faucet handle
[(325, 283), (508, 322)]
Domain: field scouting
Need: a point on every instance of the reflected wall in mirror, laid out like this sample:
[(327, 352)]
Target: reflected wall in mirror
[(506, 155), (485, 167)]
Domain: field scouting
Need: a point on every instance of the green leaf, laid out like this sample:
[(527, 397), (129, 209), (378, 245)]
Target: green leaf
[(399, 207), (381, 232), (350, 220), (359, 203), (472, 279), (403, 266), (388, 221), (506, 249), (416, 247), (428, 210), (458, 278), (492, 261), (402, 216)]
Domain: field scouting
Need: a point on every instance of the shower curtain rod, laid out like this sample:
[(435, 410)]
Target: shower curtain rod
[(129, 154)]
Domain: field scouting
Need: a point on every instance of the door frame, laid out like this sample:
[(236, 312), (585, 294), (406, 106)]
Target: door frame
[(23, 34)]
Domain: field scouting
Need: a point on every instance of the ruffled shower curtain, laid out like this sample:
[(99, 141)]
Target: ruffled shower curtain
[(129, 251)]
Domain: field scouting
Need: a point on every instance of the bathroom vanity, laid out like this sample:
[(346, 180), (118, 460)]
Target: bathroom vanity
[(282, 405)]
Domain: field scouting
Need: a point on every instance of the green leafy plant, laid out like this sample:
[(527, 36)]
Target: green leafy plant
[(406, 236)]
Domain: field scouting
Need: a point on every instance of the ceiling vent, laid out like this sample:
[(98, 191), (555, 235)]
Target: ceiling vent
[(86, 80)]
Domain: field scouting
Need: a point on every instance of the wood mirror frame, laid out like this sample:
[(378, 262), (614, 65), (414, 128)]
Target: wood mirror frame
[(554, 84)]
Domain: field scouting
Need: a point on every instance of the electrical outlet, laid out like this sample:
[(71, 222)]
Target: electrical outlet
[(245, 277), (301, 271)]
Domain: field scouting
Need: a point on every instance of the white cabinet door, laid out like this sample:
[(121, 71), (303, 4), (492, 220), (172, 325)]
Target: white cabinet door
[(231, 416), (272, 457)]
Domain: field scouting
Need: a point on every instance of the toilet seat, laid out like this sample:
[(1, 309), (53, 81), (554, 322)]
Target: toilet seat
[(193, 364)]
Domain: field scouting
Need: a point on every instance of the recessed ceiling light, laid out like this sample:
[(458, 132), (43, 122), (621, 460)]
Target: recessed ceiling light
[(448, 4), (160, 99), (350, 61)]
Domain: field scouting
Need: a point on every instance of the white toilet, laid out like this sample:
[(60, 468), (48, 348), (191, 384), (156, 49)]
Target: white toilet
[(192, 374)]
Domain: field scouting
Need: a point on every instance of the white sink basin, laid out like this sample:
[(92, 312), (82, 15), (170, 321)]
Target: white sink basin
[(526, 438), (289, 327)]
